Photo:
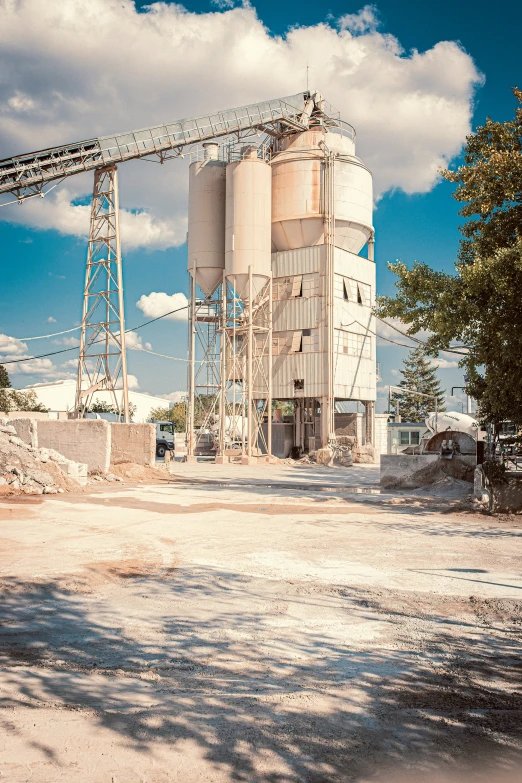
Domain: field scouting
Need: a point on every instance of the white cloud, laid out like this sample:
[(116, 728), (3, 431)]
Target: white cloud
[(132, 382), (364, 21), (51, 320), (176, 396), (445, 364), (157, 303), (133, 340), (71, 342), (411, 110), (11, 347)]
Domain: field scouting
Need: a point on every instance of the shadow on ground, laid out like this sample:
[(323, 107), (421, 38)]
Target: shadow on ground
[(318, 708)]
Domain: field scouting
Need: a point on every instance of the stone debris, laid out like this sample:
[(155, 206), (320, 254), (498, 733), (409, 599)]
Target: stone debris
[(33, 471)]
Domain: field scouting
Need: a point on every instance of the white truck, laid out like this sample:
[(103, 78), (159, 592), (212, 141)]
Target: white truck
[(164, 437)]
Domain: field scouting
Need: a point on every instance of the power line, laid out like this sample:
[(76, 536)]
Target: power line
[(75, 347), (410, 337)]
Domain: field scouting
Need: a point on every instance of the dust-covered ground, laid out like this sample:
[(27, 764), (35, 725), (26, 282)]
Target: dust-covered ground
[(268, 624)]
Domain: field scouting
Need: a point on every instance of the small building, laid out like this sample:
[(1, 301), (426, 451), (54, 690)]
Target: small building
[(59, 398), (403, 434)]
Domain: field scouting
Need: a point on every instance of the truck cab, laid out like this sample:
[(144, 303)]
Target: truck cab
[(164, 437)]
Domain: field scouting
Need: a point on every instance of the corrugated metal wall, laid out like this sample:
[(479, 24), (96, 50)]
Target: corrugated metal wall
[(299, 262)]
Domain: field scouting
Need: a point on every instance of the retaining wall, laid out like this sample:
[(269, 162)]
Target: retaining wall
[(82, 440), (133, 443)]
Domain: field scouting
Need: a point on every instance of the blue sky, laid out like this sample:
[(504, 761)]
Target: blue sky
[(52, 93)]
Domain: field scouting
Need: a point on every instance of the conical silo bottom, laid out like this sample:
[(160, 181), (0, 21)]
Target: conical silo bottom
[(241, 285), (208, 278)]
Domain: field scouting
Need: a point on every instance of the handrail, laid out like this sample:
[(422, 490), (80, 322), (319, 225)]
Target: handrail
[(25, 175)]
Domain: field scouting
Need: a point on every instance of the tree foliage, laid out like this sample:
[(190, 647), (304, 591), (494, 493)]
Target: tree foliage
[(5, 381), (419, 375), (177, 414), (101, 406), (12, 400), (480, 306)]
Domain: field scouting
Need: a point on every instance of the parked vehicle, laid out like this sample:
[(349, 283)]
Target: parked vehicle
[(164, 437)]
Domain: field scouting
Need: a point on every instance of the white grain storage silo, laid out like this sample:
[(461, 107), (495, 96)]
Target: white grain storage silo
[(248, 222), (206, 219)]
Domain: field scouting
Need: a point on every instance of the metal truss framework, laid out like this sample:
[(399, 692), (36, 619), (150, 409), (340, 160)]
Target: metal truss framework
[(102, 363), (204, 375), (246, 370), (25, 175)]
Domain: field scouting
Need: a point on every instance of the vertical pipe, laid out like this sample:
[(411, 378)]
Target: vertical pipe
[(78, 408), (250, 350), (120, 297), (269, 369), (223, 373), (192, 359)]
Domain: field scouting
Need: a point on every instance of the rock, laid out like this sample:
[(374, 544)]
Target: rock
[(50, 491), (110, 477), (15, 484), (118, 478), (45, 479), (3, 481), (60, 490), (97, 478), (17, 441), (324, 456), (7, 428)]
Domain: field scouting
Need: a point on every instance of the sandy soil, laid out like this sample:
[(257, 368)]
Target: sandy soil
[(275, 625)]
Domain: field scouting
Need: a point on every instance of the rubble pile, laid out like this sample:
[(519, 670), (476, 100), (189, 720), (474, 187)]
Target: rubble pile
[(32, 471)]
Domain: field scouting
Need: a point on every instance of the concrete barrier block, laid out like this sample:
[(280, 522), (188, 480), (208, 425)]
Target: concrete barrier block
[(87, 441), (133, 443), (399, 469), (26, 430)]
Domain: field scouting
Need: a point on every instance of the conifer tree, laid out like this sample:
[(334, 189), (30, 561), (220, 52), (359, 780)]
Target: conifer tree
[(5, 381), (420, 375)]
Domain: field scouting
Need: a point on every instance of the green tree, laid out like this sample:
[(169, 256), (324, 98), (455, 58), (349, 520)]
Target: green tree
[(480, 306), (101, 406), (12, 400), (177, 414), (419, 375), (5, 381)]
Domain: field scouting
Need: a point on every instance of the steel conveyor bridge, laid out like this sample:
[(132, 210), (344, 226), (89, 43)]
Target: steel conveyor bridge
[(25, 176)]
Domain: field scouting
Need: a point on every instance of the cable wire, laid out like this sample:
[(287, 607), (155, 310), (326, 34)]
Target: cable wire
[(75, 347)]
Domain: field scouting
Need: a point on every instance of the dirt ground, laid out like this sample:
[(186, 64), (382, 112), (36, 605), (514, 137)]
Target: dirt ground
[(274, 624)]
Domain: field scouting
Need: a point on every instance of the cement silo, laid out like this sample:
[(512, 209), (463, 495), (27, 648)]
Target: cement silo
[(248, 222), (323, 290), (206, 219), (298, 193), (206, 265), (247, 300)]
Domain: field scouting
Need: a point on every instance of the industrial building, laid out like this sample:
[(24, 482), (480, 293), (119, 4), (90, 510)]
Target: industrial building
[(281, 259), (282, 290)]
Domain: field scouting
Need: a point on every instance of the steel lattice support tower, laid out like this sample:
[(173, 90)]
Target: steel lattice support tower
[(246, 395), (102, 363), (204, 375)]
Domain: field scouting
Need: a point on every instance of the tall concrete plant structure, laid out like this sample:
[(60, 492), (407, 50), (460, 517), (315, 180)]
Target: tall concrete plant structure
[(282, 298)]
